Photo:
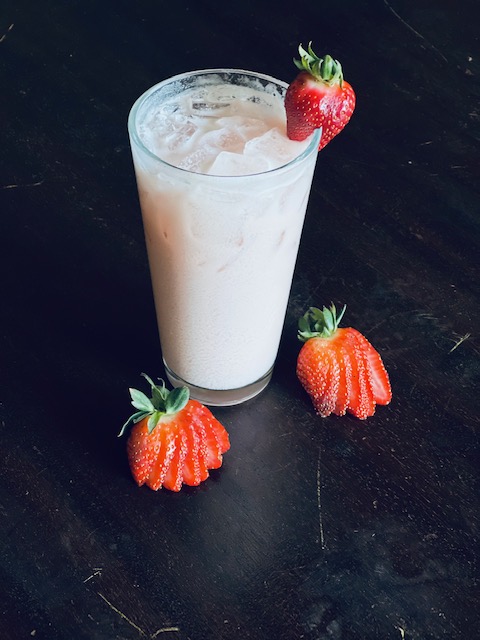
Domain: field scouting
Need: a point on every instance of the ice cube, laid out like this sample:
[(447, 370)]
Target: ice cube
[(160, 128), (210, 108), (225, 138), (181, 135), (236, 164), (199, 160), (246, 127), (274, 147)]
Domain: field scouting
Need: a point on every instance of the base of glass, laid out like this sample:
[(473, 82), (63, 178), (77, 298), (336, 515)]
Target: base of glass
[(220, 397)]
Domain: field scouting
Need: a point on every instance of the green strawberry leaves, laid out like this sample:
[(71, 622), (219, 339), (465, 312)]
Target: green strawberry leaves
[(163, 402), (176, 400), (140, 401), (325, 69), (319, 323)]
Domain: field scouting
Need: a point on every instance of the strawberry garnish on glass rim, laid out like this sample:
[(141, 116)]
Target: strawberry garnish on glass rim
[(318, 97), (338, 367), (173, 440)]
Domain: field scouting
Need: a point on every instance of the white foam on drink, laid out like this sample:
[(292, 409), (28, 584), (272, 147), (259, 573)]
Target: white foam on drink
[(205, 134)]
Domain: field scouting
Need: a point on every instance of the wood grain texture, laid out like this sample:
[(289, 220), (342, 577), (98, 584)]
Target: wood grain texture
[(314, 529)]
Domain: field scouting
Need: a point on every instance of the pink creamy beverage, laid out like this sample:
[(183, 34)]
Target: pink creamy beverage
[(223, 194)]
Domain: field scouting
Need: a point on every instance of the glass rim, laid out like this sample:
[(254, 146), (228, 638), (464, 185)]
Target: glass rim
[(140, 101)]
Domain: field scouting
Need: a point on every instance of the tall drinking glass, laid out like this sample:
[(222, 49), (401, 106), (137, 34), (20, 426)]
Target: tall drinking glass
[(221, 248)]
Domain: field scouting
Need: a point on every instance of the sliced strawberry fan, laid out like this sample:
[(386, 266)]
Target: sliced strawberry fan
[(338, 367), (174, 440)]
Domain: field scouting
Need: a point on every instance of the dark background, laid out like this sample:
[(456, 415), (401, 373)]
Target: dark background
[(314, 529)]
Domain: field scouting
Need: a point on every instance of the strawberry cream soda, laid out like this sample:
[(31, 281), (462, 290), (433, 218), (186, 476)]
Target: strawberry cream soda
[(223, 194)]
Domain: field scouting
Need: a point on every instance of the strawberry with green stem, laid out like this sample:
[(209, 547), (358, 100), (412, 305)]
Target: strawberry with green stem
[(174, 439), (318, 97), (338, 367)]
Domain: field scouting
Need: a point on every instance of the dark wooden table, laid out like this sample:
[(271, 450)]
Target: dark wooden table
[(314, 529)]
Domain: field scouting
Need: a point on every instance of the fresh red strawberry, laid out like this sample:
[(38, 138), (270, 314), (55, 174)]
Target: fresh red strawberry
[(339, 368), (318, 97), (174, 440)]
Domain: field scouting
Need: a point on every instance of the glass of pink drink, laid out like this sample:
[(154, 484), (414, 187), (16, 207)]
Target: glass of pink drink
[(223, 194)]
